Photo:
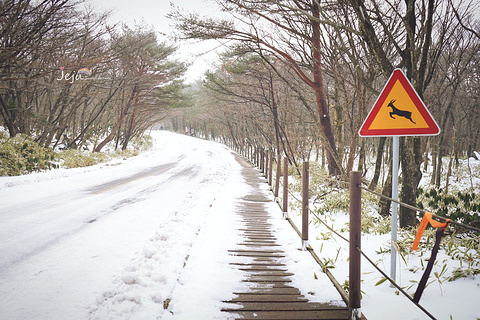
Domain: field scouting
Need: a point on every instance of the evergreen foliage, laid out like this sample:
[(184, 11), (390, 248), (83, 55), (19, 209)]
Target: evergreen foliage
[(21, 154), (461, 206)]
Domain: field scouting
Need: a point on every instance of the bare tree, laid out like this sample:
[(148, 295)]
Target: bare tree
[(288, 30)]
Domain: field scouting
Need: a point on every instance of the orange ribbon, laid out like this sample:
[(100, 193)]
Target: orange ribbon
[(427, 218)]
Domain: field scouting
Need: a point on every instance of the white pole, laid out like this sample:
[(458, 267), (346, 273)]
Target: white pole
[(396, 156)]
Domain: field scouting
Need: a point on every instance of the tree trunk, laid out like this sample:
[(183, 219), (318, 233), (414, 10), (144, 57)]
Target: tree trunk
[(378, 164), (385, 204), (111, 135), (322, 107), (410, 160)]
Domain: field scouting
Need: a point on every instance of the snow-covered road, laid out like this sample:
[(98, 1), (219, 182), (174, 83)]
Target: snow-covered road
[(110, 241)]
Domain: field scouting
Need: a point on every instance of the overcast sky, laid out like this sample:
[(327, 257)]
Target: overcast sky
[(153, 12)]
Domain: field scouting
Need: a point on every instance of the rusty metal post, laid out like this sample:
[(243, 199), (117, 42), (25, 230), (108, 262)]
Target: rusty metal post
[(285, 188), (355, 245), (305, 195)]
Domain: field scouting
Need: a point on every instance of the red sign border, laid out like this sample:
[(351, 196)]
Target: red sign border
[(432, 129)]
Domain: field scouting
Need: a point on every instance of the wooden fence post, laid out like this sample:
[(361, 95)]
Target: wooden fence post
[(267, 153), (285, 188), (305, 186), (277, 180), (355, 245), (270, 169), (262, 160)]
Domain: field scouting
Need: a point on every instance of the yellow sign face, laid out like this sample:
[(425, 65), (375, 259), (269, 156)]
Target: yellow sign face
[(399, 111)]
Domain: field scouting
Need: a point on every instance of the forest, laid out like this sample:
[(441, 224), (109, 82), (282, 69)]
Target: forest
[(297, 77), (71, 79)]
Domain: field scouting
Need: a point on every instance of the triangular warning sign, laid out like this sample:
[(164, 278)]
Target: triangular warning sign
[(399, 111)]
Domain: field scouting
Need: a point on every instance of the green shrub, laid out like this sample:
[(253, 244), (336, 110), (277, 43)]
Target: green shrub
[(142, 143), (459, 206), (73, 158), (21, 155)]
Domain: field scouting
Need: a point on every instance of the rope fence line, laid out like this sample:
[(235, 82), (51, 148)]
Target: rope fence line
[(319, 219), (421, 210), (393, 282), (359, 185), (403, 204)]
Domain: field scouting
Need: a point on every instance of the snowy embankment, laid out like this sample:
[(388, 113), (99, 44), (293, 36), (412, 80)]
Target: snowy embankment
[(139, 238)]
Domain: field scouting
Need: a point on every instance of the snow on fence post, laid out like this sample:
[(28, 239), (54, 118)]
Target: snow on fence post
[(305, 186), (285, 188), (355, 245)]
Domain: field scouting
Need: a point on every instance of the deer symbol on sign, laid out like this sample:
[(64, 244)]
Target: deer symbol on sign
[(398, 112)]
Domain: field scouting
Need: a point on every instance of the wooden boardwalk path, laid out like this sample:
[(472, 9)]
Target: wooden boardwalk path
[(270, 293)]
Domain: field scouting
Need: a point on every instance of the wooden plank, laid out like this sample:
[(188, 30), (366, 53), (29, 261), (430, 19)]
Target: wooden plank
[(250, 230), (266, 279), (254, 226), (264, 268), (266, 241), (288, 315), (286, 306), (256, 198), (257, 259), (268, 298), (265, 286), (268, 273), (272, 291), (259, 266), (257, 254), (256, 230), (258, 244), (268, 262), (257, 251), (260, 237), (257, 224)]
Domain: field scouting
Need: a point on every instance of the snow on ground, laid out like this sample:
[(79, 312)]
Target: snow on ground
[(111, 241), (139, 238), (147, 238)]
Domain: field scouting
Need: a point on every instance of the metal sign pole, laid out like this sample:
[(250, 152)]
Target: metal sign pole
[(396, 157)]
